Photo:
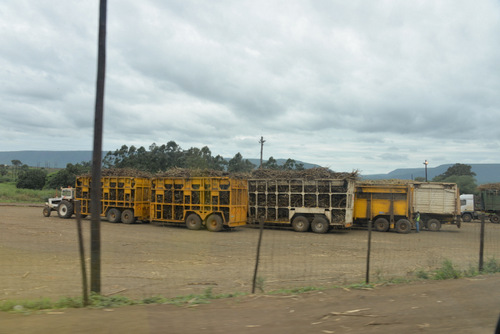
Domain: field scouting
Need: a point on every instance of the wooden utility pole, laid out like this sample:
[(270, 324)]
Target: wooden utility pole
[(95, 190), (261, 141)]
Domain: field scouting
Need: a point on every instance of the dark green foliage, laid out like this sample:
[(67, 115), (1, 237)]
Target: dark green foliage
[(271, 163), (289, 164), (67, 177), (239, 165), (158, 158), (31, 179), (203, 159), (462, 175), (165, 157), (447, 271), (455, 170), (3, 170)]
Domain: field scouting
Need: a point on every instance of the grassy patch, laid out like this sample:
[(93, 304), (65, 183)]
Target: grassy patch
[(449, 271), (10, 194), (98, 301), (446, 271)]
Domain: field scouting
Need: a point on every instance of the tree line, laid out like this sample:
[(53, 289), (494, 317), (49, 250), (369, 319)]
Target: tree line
[(155, 159)]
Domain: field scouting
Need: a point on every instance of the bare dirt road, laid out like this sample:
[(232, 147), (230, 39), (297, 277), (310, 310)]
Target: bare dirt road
[(39, 258), (456, 306)]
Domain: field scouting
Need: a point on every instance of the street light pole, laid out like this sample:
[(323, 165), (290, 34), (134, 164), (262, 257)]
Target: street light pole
[(426, 163)]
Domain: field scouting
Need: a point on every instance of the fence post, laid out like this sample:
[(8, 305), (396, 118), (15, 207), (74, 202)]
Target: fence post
[(82, 253), (261, 229), (367, 279), (481, 245), (95, 191)]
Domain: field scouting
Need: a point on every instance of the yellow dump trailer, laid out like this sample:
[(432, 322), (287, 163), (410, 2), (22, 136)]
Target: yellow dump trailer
[(123, 199), (215, 202), (386, 205)]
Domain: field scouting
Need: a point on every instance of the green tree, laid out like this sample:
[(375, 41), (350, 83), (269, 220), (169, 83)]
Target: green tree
[(202, 159), (67, 177), (31, 179), (462, 175), (4, 170), (466, 183), (455, 170), (158, 158), (291, 164), (271, 163), (16, 163), (239, 165)]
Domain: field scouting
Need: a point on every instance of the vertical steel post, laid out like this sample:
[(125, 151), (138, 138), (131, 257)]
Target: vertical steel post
[(481, 245), (82, 253), (257, 258), (368, 253), (95, 192)]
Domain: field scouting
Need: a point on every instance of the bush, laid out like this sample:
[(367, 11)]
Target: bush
[(447, 271), (32, 179)]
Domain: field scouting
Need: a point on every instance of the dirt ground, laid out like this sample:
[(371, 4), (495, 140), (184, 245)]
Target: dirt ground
[(457, 306), (39, 258)]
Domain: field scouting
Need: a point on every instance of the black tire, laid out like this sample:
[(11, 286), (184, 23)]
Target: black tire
[(320, 225), (214, 223), (495, 219), (193, 222), (467, 217), (46, 211), (433, 225), (127, 216), (114, 215), (381, 225), (65, 209), (300, 224), (403, 226)]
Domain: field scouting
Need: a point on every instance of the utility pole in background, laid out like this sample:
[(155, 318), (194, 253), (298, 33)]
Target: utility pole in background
[(261, 141)]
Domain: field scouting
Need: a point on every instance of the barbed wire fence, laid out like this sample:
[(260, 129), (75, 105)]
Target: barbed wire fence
[(40, 258)]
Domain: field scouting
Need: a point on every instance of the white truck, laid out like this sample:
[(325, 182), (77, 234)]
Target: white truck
[(468, 208)]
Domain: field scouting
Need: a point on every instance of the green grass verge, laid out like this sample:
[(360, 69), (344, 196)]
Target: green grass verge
[(10, 194), (446, 271)]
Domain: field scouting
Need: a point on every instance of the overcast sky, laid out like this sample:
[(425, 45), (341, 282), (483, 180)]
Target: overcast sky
[(350, 85)]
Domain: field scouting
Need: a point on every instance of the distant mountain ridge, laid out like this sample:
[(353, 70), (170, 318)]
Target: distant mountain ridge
[(485, 173)]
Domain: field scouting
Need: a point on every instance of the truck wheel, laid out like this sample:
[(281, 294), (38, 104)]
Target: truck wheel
[(466, 217), (495, 219), (113, 215), (300, 224), (434, 225), (128, 216), (403, 226), (193, 222), (46, 211), (214, 223), (381, 225), (65, 209), (319, 225)]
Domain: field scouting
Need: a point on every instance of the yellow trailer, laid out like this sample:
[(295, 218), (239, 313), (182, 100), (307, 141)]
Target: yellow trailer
[(387, 205), (215, 202), (123, 198)]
